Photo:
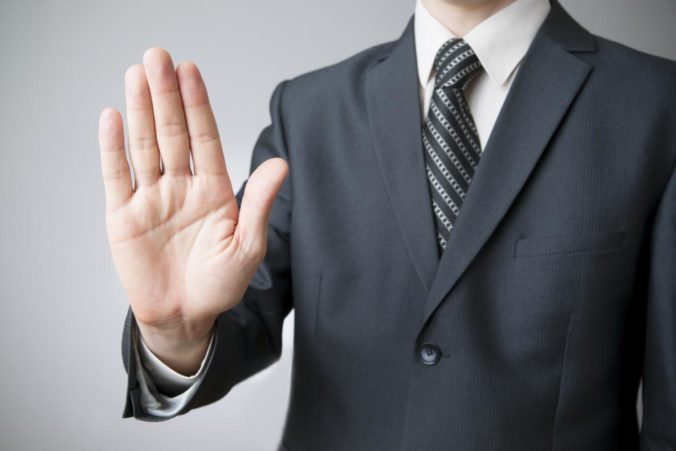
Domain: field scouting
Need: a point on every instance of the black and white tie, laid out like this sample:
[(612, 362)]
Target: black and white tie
[(450, 138)]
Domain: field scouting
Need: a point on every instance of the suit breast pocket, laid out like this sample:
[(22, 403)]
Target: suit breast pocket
[(568, 243)]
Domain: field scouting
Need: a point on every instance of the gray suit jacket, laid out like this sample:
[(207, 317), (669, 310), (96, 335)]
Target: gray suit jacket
[(554, 298)]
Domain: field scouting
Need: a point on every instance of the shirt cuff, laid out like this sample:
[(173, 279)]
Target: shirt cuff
[(172, 398)]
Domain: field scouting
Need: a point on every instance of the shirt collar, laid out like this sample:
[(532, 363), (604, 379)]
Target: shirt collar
[(500, 41)]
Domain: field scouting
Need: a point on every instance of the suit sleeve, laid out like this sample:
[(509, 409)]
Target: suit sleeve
[(658, 431), (247, 338)]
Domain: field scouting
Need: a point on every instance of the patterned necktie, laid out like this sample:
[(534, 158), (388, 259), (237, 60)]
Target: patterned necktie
[(450, 138)]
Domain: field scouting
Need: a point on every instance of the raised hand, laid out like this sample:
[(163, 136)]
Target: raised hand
[(183, 250)]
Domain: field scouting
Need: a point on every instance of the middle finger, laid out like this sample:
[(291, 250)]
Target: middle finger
[(170, 126)]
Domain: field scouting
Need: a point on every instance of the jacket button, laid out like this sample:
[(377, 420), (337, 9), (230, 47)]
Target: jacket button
[(429, 353)]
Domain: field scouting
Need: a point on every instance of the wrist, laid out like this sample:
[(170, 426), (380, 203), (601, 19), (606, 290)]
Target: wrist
[(181, 347)]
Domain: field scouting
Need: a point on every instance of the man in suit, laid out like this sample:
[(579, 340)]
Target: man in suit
[(475, 225)]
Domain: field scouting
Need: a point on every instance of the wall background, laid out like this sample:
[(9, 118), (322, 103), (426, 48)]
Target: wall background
[(62, 383)]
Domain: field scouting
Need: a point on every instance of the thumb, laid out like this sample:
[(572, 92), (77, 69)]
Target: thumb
[(260, 192)]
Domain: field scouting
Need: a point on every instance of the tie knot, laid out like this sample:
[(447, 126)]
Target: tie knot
[(456, 64)]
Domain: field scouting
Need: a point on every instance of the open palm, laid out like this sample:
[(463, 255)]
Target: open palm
[(183, 250)]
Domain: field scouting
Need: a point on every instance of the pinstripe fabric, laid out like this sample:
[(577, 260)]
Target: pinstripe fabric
[(450, 138)]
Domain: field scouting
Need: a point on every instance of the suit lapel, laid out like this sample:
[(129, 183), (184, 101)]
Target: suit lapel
[(547, 82), (395, 120)]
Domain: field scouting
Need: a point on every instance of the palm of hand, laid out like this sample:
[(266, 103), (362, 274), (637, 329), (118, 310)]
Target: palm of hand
[(173, 246)]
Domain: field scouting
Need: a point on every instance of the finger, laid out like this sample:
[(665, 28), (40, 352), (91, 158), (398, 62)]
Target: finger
[(143, 149), (170, 127), (205, 143), (259, 195), (114, 166)]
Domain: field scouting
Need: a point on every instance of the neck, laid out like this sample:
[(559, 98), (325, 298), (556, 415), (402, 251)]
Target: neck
[(460, 16)]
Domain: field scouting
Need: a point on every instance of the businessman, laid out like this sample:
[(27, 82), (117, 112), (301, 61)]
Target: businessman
[(475, 225)]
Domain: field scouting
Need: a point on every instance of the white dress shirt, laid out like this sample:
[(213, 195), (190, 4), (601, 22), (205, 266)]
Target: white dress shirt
[(500, 42)]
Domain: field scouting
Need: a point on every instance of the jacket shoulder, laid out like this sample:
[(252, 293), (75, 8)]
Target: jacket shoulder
[(335, 81), (639, 83), (630, 65)]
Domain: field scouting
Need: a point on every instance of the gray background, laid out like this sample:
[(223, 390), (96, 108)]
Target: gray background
[(62, 381)]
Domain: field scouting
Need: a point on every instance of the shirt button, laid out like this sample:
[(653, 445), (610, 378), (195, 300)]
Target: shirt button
[(429, 353)]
